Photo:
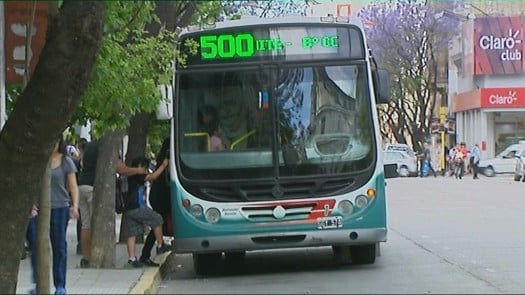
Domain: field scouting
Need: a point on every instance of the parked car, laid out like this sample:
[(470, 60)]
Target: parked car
[(400, 147), (519, 170), (503, 163), (405, 163)]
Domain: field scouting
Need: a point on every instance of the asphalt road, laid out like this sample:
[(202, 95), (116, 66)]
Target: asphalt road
[(445, 236)]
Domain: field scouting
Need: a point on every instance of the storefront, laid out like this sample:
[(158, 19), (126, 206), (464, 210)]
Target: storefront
[(492, 117), (489, 96)]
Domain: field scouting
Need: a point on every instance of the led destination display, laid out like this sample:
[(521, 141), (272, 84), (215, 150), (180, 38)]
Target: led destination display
[(292, 43), (246, 45)]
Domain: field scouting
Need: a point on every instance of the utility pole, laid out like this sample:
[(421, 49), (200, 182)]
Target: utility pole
[(3, 114)]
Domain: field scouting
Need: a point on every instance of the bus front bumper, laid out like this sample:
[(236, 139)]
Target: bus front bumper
[(279, 240)]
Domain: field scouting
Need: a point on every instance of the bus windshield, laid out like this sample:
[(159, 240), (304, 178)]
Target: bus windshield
[(270, 122)]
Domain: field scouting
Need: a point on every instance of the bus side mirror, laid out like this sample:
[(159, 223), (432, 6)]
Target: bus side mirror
[(165, 107), (382, 86)]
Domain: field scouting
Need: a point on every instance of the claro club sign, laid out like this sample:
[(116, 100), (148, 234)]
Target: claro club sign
[(498, 45)]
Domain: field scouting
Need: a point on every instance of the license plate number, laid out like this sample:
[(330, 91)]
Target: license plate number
[(329, 222)]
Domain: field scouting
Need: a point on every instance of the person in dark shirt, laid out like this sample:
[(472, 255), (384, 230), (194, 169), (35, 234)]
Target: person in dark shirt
[(427, 158), (139, 214), (86, 180), (160, 199)]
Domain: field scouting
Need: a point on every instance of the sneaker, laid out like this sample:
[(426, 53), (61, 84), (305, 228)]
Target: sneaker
[(60, 290), (163, 249), (134, 263), (148, 262), (84, 263)]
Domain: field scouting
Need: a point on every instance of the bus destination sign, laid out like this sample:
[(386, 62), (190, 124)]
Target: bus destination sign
[(284, 43), (224, 46)]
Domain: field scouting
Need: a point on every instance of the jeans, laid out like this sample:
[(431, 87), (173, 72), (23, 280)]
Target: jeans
[(475, 168), (57, 236)]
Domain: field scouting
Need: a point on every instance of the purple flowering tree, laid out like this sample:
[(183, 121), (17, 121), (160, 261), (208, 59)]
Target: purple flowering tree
[(264, 8), (410, 39)]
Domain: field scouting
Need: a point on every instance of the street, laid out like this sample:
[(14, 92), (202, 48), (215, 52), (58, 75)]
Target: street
[(445, 236)]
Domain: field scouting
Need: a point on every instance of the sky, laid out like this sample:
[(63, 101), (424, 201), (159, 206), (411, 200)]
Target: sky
[(326, 7)]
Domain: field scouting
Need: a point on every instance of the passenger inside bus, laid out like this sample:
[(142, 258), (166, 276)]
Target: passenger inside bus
[(239, 105), (215, 131)]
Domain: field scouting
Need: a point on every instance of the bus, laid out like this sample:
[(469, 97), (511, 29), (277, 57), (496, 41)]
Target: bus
[(275, 140)]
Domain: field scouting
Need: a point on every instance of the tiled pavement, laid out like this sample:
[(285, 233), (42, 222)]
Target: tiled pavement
[(120, 280)]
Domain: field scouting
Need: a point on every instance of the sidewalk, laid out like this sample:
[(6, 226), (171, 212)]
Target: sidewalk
[(121, 280)]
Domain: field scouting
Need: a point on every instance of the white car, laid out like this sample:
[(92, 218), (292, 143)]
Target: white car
[(400, 147), (405, 163), (503, 163)]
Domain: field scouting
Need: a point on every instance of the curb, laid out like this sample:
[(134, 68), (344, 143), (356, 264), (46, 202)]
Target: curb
[(151, 277)]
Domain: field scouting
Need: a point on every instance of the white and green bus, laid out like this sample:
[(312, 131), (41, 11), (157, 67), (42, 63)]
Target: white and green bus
[(294, 100)]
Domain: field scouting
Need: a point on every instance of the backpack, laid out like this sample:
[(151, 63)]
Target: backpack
[(425, 167), (135, 195)]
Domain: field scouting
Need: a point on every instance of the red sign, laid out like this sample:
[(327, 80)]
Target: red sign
[(503, 97), (498, 45), (16, 18)]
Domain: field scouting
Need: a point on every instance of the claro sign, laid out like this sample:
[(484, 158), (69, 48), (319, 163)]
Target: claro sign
[(503, 97), (498, 45)]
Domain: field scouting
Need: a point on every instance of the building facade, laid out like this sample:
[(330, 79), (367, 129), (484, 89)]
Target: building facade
[(486, 67)]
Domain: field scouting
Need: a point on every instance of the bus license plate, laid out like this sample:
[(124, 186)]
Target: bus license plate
[(329, 222)]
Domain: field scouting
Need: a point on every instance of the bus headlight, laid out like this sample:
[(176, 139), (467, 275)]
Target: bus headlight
[(361, 201), (345, 207), (196, 210), (213, 215)]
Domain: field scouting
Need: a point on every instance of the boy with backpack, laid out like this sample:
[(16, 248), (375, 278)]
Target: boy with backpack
[(139, 214)]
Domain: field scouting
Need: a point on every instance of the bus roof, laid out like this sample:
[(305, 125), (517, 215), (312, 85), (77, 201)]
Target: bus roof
[(253, 20)]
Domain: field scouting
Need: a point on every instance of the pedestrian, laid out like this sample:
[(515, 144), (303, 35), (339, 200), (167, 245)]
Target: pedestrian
[(159, 198), (214, 131), (427, 158), (80, 145), (139, 214), (450, 159), (86, 181), (475, 155), (64, 205), (459, 160)]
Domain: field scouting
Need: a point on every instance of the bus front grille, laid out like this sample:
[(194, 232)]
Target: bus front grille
[(271, 191), (290, 212)]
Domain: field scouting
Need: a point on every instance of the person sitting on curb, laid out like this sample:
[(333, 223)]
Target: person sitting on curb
[(139, 214)]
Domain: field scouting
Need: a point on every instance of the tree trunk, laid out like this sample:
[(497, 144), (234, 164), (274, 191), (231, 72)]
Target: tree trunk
[(140, 122), (42, 234), (40, 114), (171, 15), (103, 239)]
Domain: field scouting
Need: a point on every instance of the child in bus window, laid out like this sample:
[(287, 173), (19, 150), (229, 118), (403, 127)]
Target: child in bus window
[(214, 130)]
